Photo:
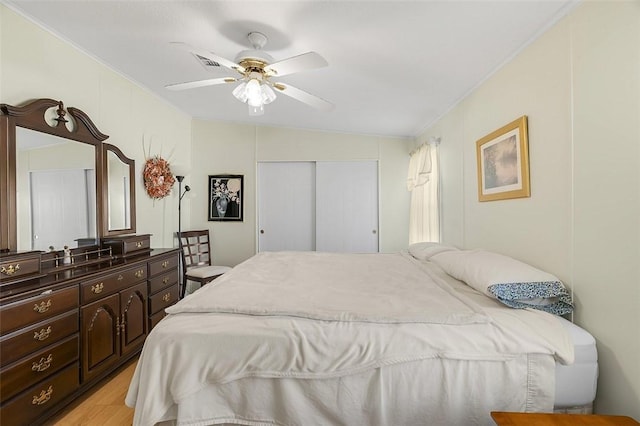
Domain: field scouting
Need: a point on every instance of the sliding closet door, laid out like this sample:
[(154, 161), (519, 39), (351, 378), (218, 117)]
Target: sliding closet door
[(347, 206), (286, 206)]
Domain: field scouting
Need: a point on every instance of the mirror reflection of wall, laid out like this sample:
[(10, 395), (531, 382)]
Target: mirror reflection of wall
[(118, 212), (55, 191)]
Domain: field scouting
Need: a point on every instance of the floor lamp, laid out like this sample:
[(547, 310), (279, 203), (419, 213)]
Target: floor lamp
[(181, 194)]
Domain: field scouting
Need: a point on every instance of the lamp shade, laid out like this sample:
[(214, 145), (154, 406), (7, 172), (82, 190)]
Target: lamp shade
[(179, 169), (268, 95), (240, 92)]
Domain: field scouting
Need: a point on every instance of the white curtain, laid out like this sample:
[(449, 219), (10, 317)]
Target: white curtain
[(423, 183)]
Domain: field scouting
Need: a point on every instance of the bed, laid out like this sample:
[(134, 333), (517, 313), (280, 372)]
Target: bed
[(378, 339)]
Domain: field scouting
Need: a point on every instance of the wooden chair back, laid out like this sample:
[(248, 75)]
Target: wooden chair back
[(197, 262), (196, 249)]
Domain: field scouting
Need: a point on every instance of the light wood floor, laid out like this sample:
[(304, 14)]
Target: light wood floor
[(103, 405)]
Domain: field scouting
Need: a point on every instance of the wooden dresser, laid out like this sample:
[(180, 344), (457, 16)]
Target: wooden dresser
[(63, 328)]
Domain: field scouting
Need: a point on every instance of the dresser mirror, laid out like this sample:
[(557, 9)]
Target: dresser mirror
[(57, 178), (120, 189), (55, 192)]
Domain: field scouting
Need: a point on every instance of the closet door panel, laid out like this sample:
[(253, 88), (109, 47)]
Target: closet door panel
[(347, 206), (286, 206), (56, 216)]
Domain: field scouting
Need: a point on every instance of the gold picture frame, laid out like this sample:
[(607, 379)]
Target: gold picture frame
[(503, 162)]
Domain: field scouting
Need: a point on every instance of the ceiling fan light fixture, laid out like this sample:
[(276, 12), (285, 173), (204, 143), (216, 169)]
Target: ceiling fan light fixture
[(256, 110), (253, 92), (240, 92), (268, 95)]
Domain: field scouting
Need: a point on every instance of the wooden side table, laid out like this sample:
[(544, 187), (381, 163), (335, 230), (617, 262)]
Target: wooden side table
[(549, 419)]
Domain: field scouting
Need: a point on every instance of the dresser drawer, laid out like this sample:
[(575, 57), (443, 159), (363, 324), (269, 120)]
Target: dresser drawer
[(16, 345), (130, 245), (35, 401), (165, 298), (37, 367), (155, 318), (163, 281), (19, 267), (111, 283), (163, 265), (36, 309)]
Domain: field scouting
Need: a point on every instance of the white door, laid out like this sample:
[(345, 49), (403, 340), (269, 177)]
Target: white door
[(286, 206), (347, 206), (58, 220)]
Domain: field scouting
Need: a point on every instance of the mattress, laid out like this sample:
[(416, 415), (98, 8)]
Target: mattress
[(247, 350), (576, 383)]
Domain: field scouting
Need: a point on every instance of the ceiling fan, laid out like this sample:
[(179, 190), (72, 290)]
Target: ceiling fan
[(256, 69)]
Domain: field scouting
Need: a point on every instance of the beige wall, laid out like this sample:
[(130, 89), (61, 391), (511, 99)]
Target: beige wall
[(36, 64), (225, 148), (579, 84)]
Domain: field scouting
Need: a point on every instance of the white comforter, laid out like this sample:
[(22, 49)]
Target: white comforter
[(389, 288), (341, 329)]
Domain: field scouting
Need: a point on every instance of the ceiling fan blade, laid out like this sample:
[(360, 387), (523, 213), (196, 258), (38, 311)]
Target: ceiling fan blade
[(306, 61), (210, 56), (200, 83), (302, 96)]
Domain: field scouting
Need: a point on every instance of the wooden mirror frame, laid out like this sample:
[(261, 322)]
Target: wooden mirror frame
[(106, 232), (31, 115)]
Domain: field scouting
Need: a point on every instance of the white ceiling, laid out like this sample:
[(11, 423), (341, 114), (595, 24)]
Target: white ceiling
[(394, 66)]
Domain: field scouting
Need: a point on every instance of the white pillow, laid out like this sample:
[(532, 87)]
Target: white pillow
[(512, 282), (424, 250)]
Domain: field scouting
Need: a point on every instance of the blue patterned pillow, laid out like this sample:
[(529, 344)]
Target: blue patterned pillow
[(548, 296), (514, 283)]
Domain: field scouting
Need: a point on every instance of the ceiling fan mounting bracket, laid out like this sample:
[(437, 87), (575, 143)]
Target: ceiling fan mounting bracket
[(257, 40), (253, 64), (256, 54)]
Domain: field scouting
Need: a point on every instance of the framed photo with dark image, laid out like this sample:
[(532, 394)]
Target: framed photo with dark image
[(226, 198), (503, 162)]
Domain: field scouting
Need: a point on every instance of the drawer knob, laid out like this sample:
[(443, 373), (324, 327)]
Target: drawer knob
[(139, 244), (97, 288), (43, 334), (120, 277), (165, 263), (10, 270), (165, 280), (45, 396), (43, 364), (42, 307), (139, 273), (166, 297)]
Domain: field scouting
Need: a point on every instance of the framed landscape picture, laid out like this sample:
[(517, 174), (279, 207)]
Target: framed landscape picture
[(225, 198), (503, 162)]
